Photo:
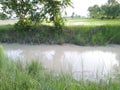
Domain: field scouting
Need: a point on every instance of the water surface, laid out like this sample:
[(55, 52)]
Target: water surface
[(81, 61)]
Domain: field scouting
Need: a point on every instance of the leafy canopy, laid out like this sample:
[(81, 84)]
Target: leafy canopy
[(37, 11), (110, 10)]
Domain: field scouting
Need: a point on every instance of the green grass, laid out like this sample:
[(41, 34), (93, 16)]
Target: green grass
[(95, 32), (33, 76), (71, 21), (6, 27), (93, 22)]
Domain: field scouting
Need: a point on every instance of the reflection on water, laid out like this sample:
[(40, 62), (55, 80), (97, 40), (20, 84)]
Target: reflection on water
[(49, 54), (14, 54), (88, 62)]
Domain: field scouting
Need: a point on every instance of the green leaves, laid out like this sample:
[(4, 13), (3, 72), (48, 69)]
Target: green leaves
[(111, 10), (38, 10), (3, 16)]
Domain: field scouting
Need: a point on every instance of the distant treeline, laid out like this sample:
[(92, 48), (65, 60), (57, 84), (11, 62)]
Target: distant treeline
[(110, 10)]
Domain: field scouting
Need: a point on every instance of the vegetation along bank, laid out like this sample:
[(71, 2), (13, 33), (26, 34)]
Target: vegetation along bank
[(45, 34), (30, 28)]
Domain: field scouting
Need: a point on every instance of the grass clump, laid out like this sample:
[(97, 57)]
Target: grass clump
[(1, 53), (1, 56)]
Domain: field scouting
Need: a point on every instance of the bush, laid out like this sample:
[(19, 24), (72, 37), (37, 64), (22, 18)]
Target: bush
[(3, 16), (23, 25), (98, 39)]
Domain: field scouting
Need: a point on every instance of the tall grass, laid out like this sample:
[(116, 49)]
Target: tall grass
[(33, 76), (6, 27), (99, 32)]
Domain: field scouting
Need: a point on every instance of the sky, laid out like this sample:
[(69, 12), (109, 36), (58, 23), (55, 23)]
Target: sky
[(81, 6)]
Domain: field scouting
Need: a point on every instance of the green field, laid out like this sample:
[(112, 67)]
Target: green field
[(74, 21), (92, 22)]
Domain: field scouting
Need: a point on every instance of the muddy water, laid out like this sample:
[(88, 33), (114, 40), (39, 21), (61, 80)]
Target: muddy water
[(88, 62)]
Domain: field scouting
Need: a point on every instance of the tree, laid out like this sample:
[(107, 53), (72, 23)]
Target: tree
[(29, 11), (104, 9), (94, 11), (111, 10), (3, 16), (52, 11), (22, 9), (112, 2), (73, 14), (114, 8)]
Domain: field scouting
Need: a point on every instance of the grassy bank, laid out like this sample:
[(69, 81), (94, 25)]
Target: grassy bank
[(33, 76), (80, 35), (87, 32)]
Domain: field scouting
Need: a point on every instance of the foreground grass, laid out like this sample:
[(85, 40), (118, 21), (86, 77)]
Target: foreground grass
[(15, 76)]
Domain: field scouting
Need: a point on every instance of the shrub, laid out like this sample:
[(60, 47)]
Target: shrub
[(23, 25), (98, 39)]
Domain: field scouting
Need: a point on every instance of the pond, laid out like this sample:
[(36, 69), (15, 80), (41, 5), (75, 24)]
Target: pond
[(82, 61)]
